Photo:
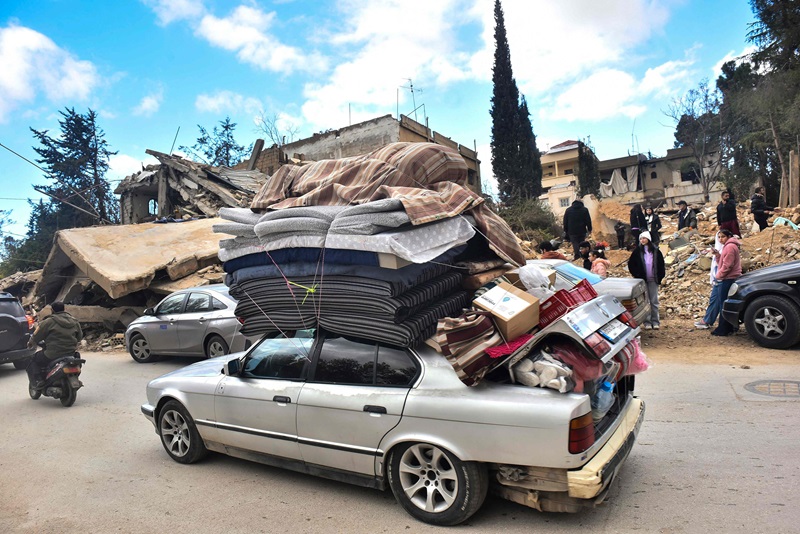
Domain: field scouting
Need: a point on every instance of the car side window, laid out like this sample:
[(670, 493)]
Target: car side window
[(217, 304), (345, 361), (395, 367), (171, 304), (198, 302), (284, 358)]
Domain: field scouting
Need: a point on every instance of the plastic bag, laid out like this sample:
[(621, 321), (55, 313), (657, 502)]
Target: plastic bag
[(535, 281), (640, 362)]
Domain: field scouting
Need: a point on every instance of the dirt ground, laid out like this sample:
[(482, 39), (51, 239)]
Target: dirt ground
[(679, 341)]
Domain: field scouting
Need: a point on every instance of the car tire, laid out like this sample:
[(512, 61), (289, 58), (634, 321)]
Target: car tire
[(773, 321), (139, 350), (179, 434), (434, 486), (216, 346)]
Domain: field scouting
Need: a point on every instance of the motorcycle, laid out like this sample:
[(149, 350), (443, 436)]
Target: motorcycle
[(61, 380)]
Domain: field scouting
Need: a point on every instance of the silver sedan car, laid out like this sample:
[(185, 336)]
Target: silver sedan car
[(385, 417), (199, 321)]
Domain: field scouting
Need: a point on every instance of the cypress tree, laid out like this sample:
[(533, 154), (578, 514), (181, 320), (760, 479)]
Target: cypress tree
[(516, 162)]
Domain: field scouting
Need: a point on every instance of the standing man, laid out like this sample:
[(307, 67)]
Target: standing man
[(61, 333), (577, 225), (687, 218), (726, 213), (638, 222), (760, 210)]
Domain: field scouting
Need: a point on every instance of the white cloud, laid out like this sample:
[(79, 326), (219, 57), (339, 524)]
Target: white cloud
[(122, 165), (667, 78), (32, 64), (602, 95), (150, 104), (716, 70), (227, 102), (169, 11), (246, 32)]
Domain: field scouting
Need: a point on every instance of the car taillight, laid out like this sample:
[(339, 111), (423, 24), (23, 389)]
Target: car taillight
[(630, 304), (628, 319), (71, 370), (598, 344), (581, 433), (241, 320), (31, 321)]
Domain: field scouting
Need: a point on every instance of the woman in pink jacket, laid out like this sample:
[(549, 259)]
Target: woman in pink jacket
[(729, 268)]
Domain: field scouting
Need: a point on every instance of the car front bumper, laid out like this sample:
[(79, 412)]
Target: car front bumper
[(589, 481), (732, 309)]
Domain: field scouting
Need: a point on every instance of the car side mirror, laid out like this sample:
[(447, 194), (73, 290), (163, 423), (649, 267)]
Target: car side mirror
[(149, 311), (232, 367)]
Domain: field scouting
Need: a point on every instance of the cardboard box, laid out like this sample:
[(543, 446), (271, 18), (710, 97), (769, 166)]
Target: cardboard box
[(513, 277), (514, 311), (391, 261)]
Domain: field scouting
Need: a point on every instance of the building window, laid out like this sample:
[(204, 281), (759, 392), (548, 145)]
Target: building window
[(653, 175), (152, 207), (563, 202), (568, 171), (549, 174)]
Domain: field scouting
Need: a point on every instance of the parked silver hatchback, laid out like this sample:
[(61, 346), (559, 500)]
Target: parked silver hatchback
[(199, 321)]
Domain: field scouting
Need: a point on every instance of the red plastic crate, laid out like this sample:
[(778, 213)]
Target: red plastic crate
[(583, 291), (563, 301)]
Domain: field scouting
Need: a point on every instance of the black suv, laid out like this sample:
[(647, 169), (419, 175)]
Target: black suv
[(767, 301), (15, 332)]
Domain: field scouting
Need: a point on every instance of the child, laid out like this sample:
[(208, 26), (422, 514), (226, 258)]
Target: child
[(619, 228), (549, 252), (600, 264)]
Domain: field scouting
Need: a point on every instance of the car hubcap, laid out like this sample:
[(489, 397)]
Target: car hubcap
[(770, 322), (428, 478), (175, 433), (216, 349), (140, 349)]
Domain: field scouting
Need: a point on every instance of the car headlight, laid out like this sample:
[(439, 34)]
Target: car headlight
[(734, 288)]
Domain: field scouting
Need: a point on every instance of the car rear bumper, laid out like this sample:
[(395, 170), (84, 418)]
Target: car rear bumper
[(590, 481), (14, 355)]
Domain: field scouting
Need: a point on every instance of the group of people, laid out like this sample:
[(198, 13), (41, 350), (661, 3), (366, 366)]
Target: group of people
[(646, 261)]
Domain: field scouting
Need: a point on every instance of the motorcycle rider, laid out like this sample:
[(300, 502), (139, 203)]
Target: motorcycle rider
[(61, 333)]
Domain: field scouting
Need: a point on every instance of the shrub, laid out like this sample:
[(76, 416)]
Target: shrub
[(531, 220)]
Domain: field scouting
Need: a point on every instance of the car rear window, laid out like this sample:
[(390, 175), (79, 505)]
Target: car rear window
[(575, 274), (11, 307)]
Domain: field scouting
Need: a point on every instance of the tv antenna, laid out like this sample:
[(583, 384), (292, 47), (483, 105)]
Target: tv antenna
[(411, 88)]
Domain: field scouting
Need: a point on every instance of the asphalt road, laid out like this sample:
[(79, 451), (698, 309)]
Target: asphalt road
[(711, 457)]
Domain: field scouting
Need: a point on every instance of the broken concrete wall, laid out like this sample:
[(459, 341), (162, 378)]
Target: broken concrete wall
[(346, 142)]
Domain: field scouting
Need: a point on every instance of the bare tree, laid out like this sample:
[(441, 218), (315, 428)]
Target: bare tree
[(276, 128), (699, 126)]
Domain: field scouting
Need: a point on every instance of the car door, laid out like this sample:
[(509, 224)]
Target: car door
[(162, 331), (193, 322), (257, 409), (351, 403)]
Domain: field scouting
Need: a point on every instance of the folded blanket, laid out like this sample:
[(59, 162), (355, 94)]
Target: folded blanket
[(234, 228), (304, 255), (371, 218), (417, 244), (240, 215), (322, 213), (292, 226)]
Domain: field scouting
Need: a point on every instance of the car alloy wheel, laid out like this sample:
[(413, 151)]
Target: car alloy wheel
[(179, 434), (773, 321), (434, 486)]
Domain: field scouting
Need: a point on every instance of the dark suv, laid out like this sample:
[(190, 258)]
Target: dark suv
[(767, 301), (15, 332)]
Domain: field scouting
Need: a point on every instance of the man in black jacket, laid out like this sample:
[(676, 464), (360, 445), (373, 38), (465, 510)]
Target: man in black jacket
[(577, 225), (760, 210), (686, 217)]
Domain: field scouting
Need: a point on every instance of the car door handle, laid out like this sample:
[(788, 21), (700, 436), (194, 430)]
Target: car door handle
[(282, 399), (201, 320), (374, 409)]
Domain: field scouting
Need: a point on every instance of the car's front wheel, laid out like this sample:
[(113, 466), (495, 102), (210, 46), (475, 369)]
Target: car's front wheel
[(179, 434), (434, 486), (773, 321), (140, 349)]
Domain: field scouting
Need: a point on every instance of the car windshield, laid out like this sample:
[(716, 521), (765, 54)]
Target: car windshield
[(575, 274)]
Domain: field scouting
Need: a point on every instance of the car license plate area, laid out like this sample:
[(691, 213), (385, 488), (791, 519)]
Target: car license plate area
[(613, 330)]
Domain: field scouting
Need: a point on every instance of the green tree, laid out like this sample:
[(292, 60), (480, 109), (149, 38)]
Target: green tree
[(516, 162), (220, 147), (588, 171), (30, 253)]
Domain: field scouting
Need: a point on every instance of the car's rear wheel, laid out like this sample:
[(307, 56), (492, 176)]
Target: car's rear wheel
[(179, 434), (773, 321), (434, 486), (140, 349), (216, 346)]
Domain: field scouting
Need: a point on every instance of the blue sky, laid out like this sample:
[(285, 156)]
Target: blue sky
[(602, 69)]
